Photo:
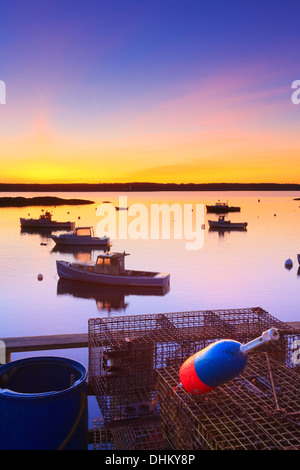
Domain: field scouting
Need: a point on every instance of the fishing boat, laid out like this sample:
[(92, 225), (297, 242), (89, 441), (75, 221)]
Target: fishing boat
[(81, 236), (45, 221), (109, 269), (222, 207), (222, 224)]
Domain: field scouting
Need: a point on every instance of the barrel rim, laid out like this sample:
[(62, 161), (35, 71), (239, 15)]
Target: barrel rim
[(7, 393)]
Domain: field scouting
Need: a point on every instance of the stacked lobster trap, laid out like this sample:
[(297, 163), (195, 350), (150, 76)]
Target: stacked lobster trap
[(133, 372)]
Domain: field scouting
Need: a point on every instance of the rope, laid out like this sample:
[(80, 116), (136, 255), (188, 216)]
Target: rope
[(272, 382), (79, 416)]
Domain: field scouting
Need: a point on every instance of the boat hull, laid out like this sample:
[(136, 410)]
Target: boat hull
[(80, 241), (222, 210), (65, 270), (214, 225), (36, 223)]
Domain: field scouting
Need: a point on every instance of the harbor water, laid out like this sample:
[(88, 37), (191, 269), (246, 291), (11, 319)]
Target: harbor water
[(233, 269)]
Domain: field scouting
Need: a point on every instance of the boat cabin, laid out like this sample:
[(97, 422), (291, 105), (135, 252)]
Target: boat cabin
[(84, 231), (111, 263), (221, 204), (47, 216)]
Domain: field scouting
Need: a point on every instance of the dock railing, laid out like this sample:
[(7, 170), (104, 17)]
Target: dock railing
[(43, 343)]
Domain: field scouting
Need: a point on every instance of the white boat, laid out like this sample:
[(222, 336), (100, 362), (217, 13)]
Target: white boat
[(81, 236), (45, 221), (109, 269), (222, 224)]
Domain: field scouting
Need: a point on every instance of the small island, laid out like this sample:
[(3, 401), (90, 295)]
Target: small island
[(41, 201)]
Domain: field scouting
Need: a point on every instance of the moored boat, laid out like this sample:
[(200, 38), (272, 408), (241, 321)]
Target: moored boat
[(81, 236), (45, 221), (222, 208), (109, 269), (222, 224)]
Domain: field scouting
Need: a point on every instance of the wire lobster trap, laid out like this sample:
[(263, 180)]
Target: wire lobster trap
[(258, 410), (126, 352), (137, 435)]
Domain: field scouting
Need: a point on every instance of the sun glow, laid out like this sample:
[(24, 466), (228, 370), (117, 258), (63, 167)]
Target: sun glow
[(195, 137)]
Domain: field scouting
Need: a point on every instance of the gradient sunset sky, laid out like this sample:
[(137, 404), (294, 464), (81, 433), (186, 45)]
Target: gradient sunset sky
[(144, 90)]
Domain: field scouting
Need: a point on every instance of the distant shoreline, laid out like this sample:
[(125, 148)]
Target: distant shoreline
[(41, 201), (142, 187)]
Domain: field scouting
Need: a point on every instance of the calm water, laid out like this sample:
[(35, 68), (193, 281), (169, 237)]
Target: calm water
[(232, 270)]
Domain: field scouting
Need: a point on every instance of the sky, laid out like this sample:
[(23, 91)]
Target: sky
[(180, 91)]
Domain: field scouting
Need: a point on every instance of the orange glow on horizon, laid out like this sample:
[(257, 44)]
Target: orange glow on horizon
[(215, 133), (190, 159), (41, 171)]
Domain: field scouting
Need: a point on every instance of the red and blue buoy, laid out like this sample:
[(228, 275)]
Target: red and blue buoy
[(218, 363)]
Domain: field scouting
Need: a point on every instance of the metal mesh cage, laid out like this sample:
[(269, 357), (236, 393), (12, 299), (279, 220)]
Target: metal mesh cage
[(259, 409), (129, 357)]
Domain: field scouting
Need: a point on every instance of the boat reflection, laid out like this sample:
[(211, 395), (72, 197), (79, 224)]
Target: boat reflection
[(80, 253), (43, 232), (222, 231), (107, 298)]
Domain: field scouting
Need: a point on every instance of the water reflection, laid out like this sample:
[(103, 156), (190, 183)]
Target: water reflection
[(80, 253), (221, 231), (108, 298), (42, 232)]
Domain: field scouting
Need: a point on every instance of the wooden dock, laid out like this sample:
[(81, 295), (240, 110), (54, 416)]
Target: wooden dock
[(44, 343)]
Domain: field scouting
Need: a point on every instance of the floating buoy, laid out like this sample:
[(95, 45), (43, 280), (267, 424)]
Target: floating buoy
[(218, 363), (288, 263), (40, 277)]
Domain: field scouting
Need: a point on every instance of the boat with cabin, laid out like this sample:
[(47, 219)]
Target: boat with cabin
[(222, 208), (81, 236), (45, 221), (109, 269), (222, 224)]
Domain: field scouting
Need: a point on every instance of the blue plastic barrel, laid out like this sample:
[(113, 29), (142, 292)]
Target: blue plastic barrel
[(43, 404)]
